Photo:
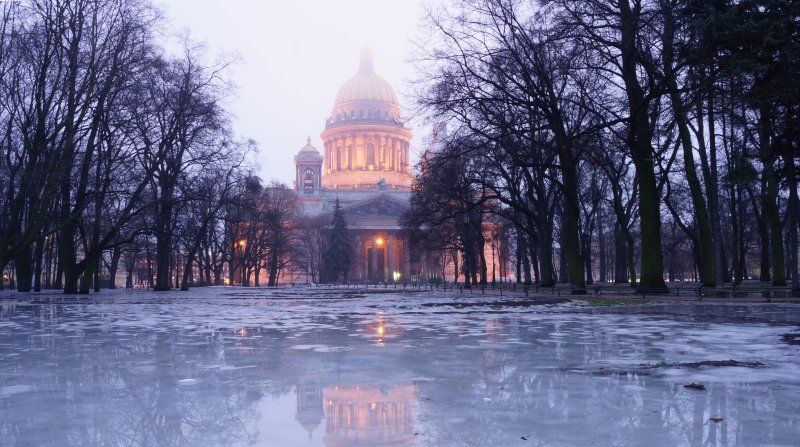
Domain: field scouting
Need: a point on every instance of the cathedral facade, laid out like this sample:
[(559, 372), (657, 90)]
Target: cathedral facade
[(365, 165)]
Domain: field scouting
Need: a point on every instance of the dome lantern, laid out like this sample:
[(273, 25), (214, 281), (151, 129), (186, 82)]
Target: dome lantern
[(365, 95), (366, 62)]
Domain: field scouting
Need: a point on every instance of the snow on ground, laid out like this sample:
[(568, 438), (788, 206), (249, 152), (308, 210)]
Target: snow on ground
[(355, 367)]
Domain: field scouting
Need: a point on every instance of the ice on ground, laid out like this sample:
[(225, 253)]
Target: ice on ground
[(324, 367)]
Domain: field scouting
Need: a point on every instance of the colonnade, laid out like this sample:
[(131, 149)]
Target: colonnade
[(386, 257), (359, 152)]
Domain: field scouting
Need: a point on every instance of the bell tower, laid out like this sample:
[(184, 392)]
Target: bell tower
[(308, 171)]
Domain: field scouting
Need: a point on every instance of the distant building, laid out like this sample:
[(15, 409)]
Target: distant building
[(366, 165)]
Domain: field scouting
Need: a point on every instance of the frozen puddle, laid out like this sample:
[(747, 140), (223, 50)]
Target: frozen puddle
[(317, 367)]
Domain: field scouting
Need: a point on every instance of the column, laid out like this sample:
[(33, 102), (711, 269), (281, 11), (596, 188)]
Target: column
[(400, 158), (337, 162), (359, 258), (373, 262), (384, 153), (351, 148), (327, 156), (406, 260), (359, 154), (394, 154), (390, 258)]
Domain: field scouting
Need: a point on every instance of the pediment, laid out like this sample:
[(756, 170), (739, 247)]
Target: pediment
[(379, 205)]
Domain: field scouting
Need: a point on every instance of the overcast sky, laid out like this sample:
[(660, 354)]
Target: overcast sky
[(294, 57)]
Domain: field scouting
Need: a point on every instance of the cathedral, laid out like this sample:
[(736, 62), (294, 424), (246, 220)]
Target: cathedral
[(365, 164)]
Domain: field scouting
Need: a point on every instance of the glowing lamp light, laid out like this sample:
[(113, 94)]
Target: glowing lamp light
[(379, 242)]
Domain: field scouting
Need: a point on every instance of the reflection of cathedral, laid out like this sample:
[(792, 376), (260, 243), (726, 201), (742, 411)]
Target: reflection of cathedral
[(370, 406), (309, 405), (358, 415), (366, 166)]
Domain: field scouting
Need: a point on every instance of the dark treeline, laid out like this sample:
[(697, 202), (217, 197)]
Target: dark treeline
[(618, 141), (118, 155)]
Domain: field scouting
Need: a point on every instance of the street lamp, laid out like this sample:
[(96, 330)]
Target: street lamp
[(238, 246), (242, 275), (493, 263)]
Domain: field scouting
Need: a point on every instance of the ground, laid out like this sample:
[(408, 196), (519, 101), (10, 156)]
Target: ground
[(310, 366)]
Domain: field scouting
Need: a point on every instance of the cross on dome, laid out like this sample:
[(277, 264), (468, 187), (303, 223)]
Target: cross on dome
[(366, 61)]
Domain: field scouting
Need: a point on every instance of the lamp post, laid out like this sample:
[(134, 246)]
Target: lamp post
[(493, 263), (242, 276), (468, 263), (238, 250)]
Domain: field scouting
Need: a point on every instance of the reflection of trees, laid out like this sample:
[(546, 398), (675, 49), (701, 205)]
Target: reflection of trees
[(494, 375), (555, 390), (161, 387)]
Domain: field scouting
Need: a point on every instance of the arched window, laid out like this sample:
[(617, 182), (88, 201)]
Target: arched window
[(370, 156), (308, 180)]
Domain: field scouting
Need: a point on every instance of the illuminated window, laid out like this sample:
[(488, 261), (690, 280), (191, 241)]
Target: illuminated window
[(370, 155)]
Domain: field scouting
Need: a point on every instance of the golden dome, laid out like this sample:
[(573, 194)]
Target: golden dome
[(365, 86), (309, 147)]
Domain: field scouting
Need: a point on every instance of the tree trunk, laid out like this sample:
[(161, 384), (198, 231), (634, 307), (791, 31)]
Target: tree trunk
[(587, 256), (66, 253), (113, 267), (601, 243), (484, 271), (98, 263), (521, 252), (456, 271), (85, 281), (545, 250), (679, 111), (23, 263), (620, 256), (273, 271), (712, 187), (187, 270), (775, 226), (38, 259), (570, 226), (763, 231), (640, 143), (163, 236), (792, 216)]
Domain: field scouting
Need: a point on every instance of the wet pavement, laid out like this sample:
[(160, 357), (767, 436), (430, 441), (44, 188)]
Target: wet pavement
[(317, 367)]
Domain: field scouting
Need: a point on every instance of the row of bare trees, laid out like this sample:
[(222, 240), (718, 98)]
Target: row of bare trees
[(117, 151), (606, 132)]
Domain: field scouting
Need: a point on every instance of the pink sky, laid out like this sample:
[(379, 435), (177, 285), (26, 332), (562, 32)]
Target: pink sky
[(295, 55)]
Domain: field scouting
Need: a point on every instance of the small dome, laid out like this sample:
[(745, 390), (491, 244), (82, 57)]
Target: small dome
[(365, 86), (309, 147)]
